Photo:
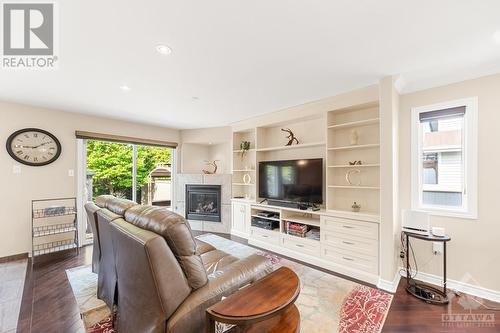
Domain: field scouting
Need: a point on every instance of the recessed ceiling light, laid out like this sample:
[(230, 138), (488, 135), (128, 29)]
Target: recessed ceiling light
[(124, 87), (163, 49), (496, 36)]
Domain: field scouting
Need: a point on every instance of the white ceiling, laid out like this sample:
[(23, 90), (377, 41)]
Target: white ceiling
[(244, 58)]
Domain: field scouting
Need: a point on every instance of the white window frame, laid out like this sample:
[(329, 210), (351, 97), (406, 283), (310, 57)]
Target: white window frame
[(469, 209)]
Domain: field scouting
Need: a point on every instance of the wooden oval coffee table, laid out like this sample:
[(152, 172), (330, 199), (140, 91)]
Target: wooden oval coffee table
[(265, 306)]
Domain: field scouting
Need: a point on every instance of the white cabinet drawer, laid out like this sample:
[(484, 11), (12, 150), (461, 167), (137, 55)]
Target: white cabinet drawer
[(306, 246), (351, 243), (263, 235), (350, 227), (350, 259)]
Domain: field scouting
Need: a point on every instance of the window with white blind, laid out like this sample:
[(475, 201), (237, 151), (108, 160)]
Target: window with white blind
[(444, 158)]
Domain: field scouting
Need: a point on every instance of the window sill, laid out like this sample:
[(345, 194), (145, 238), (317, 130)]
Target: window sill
[(448, 213)]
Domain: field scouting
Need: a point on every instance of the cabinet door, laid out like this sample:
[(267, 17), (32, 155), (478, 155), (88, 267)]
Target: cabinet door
[(239, 216)]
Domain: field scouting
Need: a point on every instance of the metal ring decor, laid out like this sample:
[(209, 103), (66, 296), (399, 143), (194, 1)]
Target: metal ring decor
[(247, 179), (348, 176)]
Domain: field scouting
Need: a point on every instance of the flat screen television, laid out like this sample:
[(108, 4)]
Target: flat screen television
[(292, 181)]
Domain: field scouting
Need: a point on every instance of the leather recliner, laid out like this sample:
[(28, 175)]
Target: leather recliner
[(91, 210), (165, 278), (112, 209)]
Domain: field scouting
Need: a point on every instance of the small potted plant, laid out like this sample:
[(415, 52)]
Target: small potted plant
[(356, 207), (244, 148)]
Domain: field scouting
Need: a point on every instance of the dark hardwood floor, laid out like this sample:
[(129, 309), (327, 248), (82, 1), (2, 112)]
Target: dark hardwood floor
[(48, 305), (408, 314)]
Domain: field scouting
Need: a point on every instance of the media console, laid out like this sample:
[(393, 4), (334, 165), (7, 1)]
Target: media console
[(350, 134), (348, 243)]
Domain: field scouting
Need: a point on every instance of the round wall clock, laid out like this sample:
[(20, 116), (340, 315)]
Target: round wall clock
[(33, 146)]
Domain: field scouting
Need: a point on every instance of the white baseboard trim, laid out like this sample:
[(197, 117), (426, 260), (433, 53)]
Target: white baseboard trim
[(239, 233), (390, 286), (460, 286)]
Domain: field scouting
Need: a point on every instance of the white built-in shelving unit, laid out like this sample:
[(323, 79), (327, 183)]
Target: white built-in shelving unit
[(343, 127), (357, 166), (299, 146), (357, 123), (352, 147), (269, 143), (343, 240)]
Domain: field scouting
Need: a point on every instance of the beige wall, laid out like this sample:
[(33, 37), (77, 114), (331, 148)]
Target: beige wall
[(221, 152), (203, 144), (473, 255), (48, 181), (193, 157), (214, 135)]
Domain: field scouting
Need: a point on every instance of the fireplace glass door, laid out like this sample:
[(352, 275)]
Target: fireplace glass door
[(203, 202)]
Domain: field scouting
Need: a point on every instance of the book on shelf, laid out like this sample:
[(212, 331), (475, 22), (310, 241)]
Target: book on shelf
[(296, 229)]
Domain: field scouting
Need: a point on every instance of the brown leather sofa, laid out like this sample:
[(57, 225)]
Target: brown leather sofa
[(158, 275)]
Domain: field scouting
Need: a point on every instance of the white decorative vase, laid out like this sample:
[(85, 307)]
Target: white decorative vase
[(354, 138)]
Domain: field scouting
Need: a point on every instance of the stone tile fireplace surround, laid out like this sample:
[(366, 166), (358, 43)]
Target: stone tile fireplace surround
[(224, 180)]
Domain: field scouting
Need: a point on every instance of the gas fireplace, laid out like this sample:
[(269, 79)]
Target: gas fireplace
[(203, 202)]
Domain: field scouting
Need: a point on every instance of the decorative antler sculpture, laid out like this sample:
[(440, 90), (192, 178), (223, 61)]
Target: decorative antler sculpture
[(212, 164), (291, 137)]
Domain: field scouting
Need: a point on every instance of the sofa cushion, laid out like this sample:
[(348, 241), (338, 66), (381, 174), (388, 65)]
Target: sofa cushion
[(177, 233), (116, 205), (215, 260)]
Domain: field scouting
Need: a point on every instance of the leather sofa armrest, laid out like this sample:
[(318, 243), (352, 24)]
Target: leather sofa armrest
[(203, 247), (190, 316)]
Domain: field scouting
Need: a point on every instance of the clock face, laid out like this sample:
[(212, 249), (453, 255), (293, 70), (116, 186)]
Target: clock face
[(32, 146)]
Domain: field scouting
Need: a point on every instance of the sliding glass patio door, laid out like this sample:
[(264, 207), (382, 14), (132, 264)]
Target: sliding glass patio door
[(136, 172)]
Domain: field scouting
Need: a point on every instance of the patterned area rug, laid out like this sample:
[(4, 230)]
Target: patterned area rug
[(327, 303), (93, 311)]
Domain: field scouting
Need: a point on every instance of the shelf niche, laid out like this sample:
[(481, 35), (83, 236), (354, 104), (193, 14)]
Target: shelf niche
[(243, 165)]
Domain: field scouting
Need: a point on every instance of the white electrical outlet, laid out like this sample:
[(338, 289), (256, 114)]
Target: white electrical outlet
[(16, 169), (71, 172), (437, 248)]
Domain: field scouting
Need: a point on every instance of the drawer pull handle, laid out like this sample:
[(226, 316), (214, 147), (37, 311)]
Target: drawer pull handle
[(265, 236), (349, 259), (348, 243), (299, 245), (348, 227)]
